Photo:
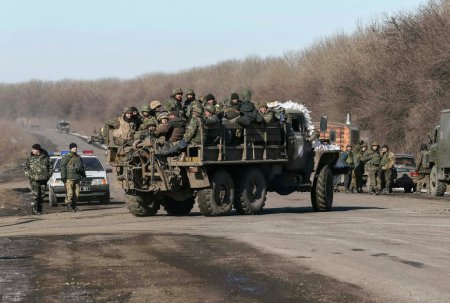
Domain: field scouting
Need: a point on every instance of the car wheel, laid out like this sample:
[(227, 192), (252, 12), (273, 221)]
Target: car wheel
[(53, 201)]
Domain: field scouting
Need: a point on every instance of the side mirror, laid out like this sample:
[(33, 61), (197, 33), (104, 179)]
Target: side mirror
[(323, 124), (109, 170)]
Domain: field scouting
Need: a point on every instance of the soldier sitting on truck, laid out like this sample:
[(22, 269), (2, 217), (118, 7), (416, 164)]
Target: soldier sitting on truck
[(266, 113), (124, 127), (176, 127)]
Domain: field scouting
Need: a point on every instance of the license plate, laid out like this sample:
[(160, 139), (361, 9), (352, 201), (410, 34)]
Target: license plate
[(85, 188)]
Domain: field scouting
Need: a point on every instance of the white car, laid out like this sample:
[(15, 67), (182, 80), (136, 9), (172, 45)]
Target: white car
[(95, 187)]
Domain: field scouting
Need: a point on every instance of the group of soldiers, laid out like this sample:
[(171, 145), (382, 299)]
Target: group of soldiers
[(178, 122), (38, 170), (378, 164)]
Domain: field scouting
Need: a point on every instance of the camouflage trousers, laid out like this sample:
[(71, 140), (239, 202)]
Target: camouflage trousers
[(72, 192), (423, 182), (386, 178), (374, 180), (38, 192)]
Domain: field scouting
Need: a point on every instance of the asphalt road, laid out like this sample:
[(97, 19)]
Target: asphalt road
[(393, 248)]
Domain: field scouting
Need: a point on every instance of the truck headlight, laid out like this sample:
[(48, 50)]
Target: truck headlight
[(99, 181)]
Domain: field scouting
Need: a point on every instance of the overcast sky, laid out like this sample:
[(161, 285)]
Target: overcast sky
[(91, 39)]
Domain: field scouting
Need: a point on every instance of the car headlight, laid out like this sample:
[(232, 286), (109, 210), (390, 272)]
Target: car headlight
[(99, 181), (56, 182)]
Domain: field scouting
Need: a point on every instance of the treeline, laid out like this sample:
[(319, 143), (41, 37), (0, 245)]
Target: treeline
[(393, 75)]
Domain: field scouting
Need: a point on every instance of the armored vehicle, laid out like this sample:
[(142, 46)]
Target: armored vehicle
[(438, 156), (232, 167), (63, 126)]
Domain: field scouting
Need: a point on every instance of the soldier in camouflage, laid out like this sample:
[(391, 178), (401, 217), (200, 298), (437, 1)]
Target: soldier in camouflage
[(155, 108), (145, 115), (187, 104), (387, 164), (211, 118), (38, 170), (372, 159), (175, 102), (72, 171), (124, 127), (266, 114), (232, 110), (424, 172), (357, 180)]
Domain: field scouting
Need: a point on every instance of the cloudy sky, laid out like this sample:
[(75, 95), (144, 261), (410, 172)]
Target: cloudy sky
[(91, 39)]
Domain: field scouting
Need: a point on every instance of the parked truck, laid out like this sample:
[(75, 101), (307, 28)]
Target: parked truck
[(438, 157), (232, 167)]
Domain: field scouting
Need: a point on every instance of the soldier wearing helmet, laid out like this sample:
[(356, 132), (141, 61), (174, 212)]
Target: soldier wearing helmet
[(124, 127), (372, 159), (210, 115), (187, 104), (145, 115), (248, 112), (175, 101), (155, 108), (147, 128), (266, 113)]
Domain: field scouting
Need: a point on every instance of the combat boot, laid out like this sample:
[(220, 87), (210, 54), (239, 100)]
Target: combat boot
[(35, 209), (71, 208)]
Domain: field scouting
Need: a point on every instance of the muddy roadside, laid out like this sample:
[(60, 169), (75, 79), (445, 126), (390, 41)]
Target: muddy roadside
[(15, 192), (157, 268)]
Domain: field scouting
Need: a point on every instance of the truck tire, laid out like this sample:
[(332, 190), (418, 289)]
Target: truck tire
[(322, 190), (218, 199), (52, 200), (179, 208), (251, 190), (437, 187), (139, 207)]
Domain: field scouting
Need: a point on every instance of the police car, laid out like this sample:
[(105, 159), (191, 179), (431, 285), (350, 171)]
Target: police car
[(95, 187)]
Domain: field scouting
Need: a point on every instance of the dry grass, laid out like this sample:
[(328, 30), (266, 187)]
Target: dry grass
[(392, 75), (15, 143)]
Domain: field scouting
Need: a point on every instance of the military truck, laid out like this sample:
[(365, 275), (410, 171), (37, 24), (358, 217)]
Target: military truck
[(232, 167), (438, 157), (63, 126)]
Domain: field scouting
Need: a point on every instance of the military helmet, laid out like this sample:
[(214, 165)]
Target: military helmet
[(154, 104), (375, 143), (177, 91), (423, 146), (264, 104), (162, 115), (210, 97), (202, 99), (247, 94), (210, 108), (145, 108), (127, 110), (190, 91), (150, 121), (234, 96)]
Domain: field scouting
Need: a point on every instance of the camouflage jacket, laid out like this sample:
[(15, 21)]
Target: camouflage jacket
[(174, 105), (38, 167), (372, 159), (123, 129), (72, 167), (387, 160), (193, 131), (268, 117), (420, 164), (232, 111)]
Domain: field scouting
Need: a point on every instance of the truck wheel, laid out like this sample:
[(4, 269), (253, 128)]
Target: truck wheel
[(218, 199), (251, 190), (437, 187), (139, 207), (52, 200), (322, 191), (179, 208)]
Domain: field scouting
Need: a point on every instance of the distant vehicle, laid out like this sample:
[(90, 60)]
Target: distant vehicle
[(404, 173), (95, 187), (63, 126)]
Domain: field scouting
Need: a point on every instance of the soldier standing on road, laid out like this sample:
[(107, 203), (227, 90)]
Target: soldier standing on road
[(175, 102), (423, 170), (372, 159), (347, 158), (38, 170), (387, 164), (358, 172), (72, 171)]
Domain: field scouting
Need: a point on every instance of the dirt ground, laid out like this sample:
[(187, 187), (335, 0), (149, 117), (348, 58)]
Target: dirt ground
[(391, 248)]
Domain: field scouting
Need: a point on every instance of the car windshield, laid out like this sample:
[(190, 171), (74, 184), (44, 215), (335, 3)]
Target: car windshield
[(90, 164), (405, 161)]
